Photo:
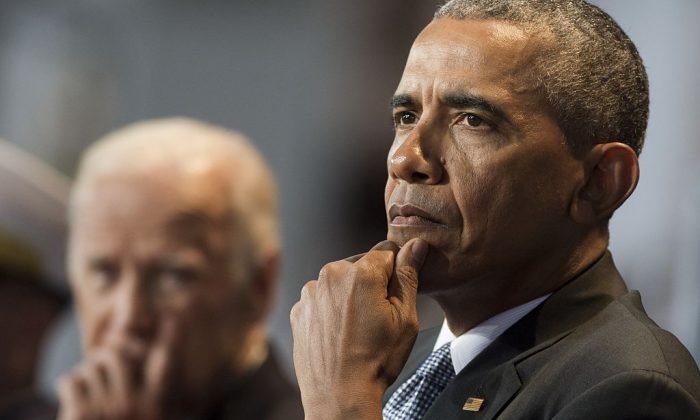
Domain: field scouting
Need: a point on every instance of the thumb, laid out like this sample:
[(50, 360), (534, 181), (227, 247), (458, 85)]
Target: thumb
[(403, 285)]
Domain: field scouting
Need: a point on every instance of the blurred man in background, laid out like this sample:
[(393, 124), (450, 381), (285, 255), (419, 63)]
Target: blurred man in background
[(173, 260)]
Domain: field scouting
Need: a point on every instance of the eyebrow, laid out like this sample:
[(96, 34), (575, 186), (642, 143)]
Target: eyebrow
[(460, 100), (454, 100), (402, 101)]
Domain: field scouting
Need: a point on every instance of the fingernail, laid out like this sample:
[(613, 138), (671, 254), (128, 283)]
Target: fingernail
[(419, 249)]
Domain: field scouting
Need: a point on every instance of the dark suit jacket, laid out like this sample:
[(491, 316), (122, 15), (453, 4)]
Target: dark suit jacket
[(266, 394), (588, 352)]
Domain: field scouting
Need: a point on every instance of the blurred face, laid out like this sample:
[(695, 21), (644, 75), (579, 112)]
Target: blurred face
[(151, 268), (478, 167)]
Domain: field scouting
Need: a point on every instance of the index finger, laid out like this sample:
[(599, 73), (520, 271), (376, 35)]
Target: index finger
[(161, 360), (355, 257)]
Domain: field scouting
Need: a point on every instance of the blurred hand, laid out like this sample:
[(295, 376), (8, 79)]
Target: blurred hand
[(107, 386), (354, 328)]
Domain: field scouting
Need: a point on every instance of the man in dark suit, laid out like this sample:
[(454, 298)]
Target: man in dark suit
[(173, 257), (518, 126)]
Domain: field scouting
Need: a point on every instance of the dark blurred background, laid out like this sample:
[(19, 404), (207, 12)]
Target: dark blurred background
[(309, 82)]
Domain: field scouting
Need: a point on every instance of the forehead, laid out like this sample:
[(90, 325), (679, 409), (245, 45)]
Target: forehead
[(152, 188), (159, 205), (471, 55)]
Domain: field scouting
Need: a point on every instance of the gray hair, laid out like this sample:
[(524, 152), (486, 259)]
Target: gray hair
[(590, 71), (140, 147)]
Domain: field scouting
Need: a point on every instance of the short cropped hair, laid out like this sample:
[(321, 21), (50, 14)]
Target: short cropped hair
[(589, 70)]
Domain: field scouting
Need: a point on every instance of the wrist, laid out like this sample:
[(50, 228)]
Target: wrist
[(362, 402)]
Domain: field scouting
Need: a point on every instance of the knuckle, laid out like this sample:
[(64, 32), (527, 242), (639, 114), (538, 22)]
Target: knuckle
[(329, 270), (324, 272), (294, 313), (308, 289)]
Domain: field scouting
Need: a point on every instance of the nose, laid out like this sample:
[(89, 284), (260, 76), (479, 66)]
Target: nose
[(416, 160), (134, 313)]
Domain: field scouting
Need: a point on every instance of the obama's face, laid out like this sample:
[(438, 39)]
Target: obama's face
[(479, 167)]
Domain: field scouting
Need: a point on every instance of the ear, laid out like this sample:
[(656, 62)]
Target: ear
[(264, 285), (611, 173)]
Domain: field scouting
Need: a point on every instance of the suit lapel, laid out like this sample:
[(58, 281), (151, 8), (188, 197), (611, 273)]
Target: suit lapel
[(493, 376), (489, 377)]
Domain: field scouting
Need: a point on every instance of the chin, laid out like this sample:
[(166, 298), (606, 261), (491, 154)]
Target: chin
[(400, 236), (397, 238), (437, 238), (434, 275)]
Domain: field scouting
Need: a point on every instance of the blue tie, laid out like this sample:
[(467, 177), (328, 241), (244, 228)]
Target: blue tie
[(415, 396)]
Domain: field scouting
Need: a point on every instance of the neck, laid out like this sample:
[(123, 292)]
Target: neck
[(480, 299)]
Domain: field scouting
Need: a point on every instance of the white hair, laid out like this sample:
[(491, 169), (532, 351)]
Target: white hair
[(191, 145)]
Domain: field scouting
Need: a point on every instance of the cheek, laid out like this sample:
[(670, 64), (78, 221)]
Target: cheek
[(208, 310), (214, 330), (94, 320), (496, 193), (388, 190), (546, 185), (475, 186), (512, 195)]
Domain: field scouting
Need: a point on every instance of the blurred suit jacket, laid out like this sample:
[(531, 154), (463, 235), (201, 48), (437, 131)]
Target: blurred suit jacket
[(588, 352), (266, 394)]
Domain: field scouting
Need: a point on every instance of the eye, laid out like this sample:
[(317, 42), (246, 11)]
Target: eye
[(176, 277), (405, 118), (474, 121), (103, 274)]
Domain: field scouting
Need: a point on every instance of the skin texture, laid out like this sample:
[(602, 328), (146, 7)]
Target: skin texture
[(162, 314), (480, 173)]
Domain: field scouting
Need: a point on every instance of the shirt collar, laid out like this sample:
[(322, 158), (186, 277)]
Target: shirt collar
[(468, 345)]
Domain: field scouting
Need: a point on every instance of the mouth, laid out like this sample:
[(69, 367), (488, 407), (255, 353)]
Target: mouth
[(408, 215)]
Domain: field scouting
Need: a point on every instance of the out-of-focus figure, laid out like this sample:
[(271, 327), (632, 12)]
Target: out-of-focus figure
[(173, 260), (32, 288)]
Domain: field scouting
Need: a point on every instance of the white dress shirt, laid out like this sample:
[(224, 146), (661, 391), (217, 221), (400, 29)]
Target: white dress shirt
[(468, 345)]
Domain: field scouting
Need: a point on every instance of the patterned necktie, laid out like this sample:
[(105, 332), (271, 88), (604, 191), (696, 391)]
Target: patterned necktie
[(415, 396)]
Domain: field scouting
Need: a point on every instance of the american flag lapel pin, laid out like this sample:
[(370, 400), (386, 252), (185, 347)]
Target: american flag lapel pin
[(473, 404)]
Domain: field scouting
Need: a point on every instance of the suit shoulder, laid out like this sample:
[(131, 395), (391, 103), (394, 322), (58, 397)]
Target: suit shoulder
[(624, 337), (633, 394), (618, 340)]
